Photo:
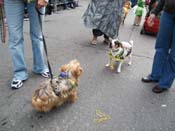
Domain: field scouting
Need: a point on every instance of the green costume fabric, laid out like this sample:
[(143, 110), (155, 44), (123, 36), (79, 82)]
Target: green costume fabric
[(140, 7)]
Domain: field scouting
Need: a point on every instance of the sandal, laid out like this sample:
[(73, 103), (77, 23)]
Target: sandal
[(45, 74), (94, 41)]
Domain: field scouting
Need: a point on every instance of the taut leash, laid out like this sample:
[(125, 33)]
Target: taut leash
[(44, 42)]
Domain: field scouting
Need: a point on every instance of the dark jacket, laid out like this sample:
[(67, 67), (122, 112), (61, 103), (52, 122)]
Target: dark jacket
[(166, 5)]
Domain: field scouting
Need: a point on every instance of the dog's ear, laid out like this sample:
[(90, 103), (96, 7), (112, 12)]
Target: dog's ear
[(118, 44), (76, 72), (113, 43), (80, 71), (63, 68)]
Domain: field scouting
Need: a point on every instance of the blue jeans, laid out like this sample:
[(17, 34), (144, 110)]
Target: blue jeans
[(14, 11), (163, 68)]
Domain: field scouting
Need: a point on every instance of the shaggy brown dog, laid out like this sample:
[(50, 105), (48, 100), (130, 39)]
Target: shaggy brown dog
[(55, 92)]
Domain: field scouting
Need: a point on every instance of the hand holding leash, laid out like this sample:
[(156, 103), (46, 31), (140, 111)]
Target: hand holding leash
[(151, 20)]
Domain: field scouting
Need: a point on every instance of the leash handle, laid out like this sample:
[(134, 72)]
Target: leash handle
[(2, 24), (44, 42)]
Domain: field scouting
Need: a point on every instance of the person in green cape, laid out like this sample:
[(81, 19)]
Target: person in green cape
[(139, 12)]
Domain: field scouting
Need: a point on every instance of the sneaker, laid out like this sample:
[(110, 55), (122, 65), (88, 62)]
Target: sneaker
[(16, 84)]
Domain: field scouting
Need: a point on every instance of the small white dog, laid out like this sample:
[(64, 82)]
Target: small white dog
[(119, 51)]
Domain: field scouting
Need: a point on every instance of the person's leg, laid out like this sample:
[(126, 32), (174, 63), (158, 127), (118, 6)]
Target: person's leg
[(14, 11), (136, 20), (37, 40), (163, 42), (139, 20), (96, 33), (168, 74), (106, 40)]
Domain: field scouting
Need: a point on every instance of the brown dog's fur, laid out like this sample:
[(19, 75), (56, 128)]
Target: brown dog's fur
[(55, 92)]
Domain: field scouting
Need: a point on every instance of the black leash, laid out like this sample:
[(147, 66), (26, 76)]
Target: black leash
[(44, 42)]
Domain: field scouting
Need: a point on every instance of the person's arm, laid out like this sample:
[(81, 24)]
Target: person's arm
[(158, 8), (42, 3), (155, 12)]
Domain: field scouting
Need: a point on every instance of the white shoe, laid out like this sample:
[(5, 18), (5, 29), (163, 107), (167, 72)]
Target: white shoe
[(16, 84)]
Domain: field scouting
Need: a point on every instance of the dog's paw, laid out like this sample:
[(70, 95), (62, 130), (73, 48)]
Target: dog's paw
[(118, 71), (112, 67), (129, 63), (107, 65)]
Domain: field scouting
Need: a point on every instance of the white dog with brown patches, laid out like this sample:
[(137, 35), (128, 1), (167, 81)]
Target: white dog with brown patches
[(119, 51)]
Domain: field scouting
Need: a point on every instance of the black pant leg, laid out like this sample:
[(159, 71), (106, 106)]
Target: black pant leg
[(97, 32)]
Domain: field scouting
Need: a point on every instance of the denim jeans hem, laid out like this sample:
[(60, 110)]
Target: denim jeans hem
[(153, 78), (23, 79)]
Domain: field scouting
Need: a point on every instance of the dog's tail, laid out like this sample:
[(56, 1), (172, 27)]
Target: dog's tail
[(131, 42)]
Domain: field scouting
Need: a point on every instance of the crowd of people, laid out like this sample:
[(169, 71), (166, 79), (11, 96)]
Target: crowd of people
[(104, 18)]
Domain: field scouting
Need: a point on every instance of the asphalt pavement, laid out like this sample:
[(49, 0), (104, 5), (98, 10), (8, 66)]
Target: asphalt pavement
[(126, 103)]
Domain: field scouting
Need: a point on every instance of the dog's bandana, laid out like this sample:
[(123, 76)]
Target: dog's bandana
[(119, 54), (65, 74)]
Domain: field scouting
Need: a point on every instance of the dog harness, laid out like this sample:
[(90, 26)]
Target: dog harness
[(119, 54), (64, 75), (64, 79)]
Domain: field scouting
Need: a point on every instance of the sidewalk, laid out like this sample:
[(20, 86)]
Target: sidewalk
[(130, 103)]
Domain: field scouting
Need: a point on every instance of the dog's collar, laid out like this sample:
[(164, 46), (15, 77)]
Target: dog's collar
[(73, 83), (63, 75), (67, 74), (119, 56), (120, 50)]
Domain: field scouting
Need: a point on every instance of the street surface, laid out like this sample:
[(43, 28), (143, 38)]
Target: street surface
[(129, 104)]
